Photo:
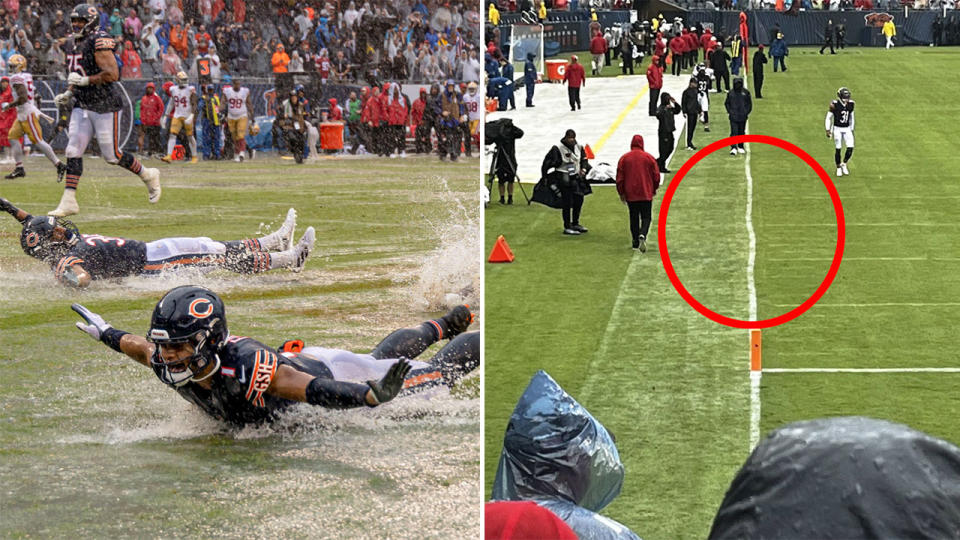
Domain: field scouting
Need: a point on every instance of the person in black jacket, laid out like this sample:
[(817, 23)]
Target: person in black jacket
[(759, 59), (828, 38), (719, 62), (565, 167), (690, 105), (665, 112), (739, 105)]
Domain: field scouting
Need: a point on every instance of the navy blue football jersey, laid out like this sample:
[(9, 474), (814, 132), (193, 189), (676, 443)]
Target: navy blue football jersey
[(842, 114), (104, 257), (100, 98), (239, 389)]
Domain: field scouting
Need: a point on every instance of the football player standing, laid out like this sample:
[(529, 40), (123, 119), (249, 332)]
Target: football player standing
[(839, 123), (97, 103), (236, 100), (28, 118), (184, 100)]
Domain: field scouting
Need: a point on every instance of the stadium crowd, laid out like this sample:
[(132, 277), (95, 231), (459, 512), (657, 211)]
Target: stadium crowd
[(358, 42), (403, 40)]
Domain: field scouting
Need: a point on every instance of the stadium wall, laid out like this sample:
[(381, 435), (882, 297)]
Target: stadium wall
[(567, 32), (806, 28)]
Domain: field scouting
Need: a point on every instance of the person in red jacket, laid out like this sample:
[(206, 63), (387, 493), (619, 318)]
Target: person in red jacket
[(336, 112), (371, 116), (7, 117), (660, 51), (151, 111), (574, 77), (421, 130), (397, 118), (598, 48), (705, 41), (677, 48), (693, 46), (655, 81), (638, 178)]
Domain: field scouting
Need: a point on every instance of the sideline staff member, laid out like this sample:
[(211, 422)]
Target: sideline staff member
[(565, 167)]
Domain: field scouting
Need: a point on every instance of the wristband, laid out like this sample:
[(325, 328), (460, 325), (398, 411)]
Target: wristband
[(336, 394), (111, 338)]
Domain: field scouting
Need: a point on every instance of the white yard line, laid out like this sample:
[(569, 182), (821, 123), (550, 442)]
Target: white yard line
[(863, 370), (755, 376)]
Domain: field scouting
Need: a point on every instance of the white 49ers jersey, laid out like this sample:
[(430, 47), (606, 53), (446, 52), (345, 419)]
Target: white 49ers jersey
[(473, 105), (26, 80), (236, 102), (181, 100)]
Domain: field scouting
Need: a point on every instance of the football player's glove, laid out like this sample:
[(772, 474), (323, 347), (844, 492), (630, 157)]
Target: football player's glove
[(95, 326), (77, 79), (390, 385), (63, 99)]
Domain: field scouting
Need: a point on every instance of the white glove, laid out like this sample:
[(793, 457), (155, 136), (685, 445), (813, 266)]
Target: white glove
[(96, 325), (78, 80), (189, 121), (63, 99), (163, 122)]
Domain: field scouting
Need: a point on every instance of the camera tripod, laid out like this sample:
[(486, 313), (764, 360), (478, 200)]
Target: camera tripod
[(493, 172)]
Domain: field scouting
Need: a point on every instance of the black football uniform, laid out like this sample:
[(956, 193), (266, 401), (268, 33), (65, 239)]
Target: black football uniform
[(842, 114), (100, 98), (238, 394), (703, 82), (104, 257)]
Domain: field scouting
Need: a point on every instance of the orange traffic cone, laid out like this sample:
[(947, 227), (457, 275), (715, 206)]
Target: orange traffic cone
[(501, 252), (588, 152)]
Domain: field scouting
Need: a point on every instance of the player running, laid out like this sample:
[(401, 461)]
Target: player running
[(240, 381), (839, 123), (183, 103), (236, 100), (28, 119), (95, 94), (77, 259)]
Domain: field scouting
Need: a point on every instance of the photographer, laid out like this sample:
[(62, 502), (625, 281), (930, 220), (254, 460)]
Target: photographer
[(565, 167), (292, 121), (504, 134)]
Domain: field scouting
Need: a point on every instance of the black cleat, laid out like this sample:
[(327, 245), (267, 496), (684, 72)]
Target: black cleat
[(579, 228), (61, 170), (17, 173), (457, 320)]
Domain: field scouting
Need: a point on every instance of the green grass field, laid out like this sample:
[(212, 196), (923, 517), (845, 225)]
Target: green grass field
[(93, 445), (673, 386)]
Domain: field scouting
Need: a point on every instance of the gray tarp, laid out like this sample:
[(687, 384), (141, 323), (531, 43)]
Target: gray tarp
[(558, 455), (849, 477)]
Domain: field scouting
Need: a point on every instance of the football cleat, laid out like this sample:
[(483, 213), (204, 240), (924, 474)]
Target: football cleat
[(61, 171), (458, 319), (194, 159), (571, 232), (846, 171), (304, 247), (68, 204), (287, 229), (643, 245), (151, 177), (741, 150), (167, 158), (733, 151), (579, 228), (839, 171), (17, 173)]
